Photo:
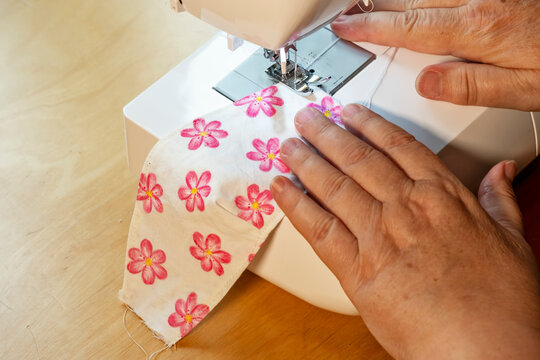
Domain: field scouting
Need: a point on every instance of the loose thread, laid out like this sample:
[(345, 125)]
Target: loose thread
[(148, 357), (388, 60), (322, 53), (34, 339), (535, 134), (155, 353)]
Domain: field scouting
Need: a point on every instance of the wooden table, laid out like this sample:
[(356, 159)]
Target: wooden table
[(68, 68)]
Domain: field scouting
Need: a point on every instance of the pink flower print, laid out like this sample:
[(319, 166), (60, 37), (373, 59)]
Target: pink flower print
[(195, 191), (188, 314), (268, 155), (203, 133), (209, 252), (254, 205), (329, 109), (149, 193), (264, 100), (252, 255), (148, 262)]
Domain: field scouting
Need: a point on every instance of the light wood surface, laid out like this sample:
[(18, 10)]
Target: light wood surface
[(67, 69)]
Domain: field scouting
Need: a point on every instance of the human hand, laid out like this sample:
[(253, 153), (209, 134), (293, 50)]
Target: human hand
[(501, 37), (433, 271)]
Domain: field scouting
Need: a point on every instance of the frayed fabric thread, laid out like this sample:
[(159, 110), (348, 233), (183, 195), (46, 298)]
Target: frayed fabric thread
[(147, 356)]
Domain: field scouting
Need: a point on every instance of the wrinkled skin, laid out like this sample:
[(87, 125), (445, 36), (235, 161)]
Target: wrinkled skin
[(435, 272), (500, 38)]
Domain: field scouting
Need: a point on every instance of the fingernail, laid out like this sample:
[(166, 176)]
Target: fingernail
[(305, 116), (510, 170), (350, 111), (288, 147), (429, 84), (277, 184)]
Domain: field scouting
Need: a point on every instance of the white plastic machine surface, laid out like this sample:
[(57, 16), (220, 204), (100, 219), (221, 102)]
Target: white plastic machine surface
[(270, 24), (468, 139)]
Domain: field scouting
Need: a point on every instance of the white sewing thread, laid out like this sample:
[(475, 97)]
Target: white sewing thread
[(322, 53), (535, 130), (156, 353), (388, 60), (34, 339), (148, 357)]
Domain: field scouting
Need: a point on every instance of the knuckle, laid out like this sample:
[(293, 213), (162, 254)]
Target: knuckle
[(481, 18), (471, 94), (472, 15), (397, 138), (414, 4), (436, 192), (466, 87), (333, 186), (357, 152), (409, 20), (323, 229), (445, 185)]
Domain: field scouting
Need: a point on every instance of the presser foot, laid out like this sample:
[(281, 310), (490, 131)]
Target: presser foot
[(296, 77)]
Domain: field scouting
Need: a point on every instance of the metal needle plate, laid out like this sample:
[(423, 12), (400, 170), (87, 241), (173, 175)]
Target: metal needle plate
[(341, 61)]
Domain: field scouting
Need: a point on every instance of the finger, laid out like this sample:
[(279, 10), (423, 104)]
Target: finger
[(404, 5), (432, 31), (334, 190), (371, 169), (413, 157), (497, 197), (332, 241), (479, 84)]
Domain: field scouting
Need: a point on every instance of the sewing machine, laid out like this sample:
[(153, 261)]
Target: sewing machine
[(298, 48)]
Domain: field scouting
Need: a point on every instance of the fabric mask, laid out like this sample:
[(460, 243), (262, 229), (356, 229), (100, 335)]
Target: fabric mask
[(204, 208)]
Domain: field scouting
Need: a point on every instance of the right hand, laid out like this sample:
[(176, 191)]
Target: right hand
[(434, 272), (500, 37)]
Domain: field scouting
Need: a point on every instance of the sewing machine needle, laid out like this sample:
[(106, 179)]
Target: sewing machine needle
[(295, 66), (283, 59)]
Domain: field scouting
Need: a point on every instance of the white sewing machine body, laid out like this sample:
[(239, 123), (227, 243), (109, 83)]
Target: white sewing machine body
[(468, 139), (270, 24)]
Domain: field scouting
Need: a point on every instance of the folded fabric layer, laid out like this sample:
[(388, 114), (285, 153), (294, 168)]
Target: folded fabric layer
[(204, 207)]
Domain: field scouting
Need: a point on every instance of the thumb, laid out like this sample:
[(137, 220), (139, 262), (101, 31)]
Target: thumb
[(497, 197), (480, 84)]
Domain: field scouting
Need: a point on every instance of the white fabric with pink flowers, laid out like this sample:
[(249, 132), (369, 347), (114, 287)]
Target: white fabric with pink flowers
[(203, 208)]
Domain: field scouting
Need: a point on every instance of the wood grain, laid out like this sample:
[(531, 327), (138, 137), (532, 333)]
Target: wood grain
[(68, 68)]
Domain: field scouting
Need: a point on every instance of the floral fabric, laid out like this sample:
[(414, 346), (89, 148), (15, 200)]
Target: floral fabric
[(203, 208)]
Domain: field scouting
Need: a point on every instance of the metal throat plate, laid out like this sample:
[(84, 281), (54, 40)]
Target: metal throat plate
[(321, 53)]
